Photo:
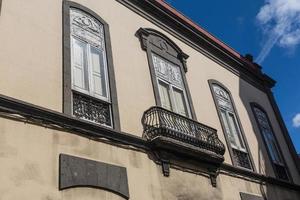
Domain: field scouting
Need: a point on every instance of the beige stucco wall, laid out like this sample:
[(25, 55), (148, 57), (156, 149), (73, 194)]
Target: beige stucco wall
[(29, 170), (31, 70)]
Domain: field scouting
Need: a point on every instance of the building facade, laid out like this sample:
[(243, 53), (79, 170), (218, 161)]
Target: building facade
[(129, 99)]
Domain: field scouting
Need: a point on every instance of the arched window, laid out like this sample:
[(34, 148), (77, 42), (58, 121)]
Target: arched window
[(231, 126), (89, 87), (270, 141), (167, 66)]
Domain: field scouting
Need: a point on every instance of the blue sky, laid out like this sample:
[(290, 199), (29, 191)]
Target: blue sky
[(267, 29)]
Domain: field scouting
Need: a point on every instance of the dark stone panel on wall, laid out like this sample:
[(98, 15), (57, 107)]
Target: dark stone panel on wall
[(0, 6), (80, 172), (245, 196)]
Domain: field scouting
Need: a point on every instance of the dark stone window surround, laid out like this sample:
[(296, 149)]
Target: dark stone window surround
[(247, 196), (146, 35), (211, 82), (81, 172), (0, 6), (67, 83), (253, 104)]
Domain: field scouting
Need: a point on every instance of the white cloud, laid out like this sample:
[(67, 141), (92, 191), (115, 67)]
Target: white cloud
[(296, 120), (280, 21)]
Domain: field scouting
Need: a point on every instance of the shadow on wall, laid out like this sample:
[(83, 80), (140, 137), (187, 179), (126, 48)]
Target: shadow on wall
[(248, 95), (263, 165), (0, 6)]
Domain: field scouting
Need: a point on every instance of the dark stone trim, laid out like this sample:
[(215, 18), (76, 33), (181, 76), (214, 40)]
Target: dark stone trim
[(211, 82), (246, 196), (67, 80), (146, 36), (162, 17), (0, 6), (259, 177), (81, 172), (253, 104), (67, 83), (68, 123), (45, 117), (284, 129)]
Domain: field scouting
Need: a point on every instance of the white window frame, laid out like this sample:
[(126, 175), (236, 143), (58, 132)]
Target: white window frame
[(90, 31), (174, 106), (90, 91), (237, 137)]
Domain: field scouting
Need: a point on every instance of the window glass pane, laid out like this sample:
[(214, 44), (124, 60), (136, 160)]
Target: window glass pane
[(79, 64), (268, 135), (223, 98), (98, 72), (161, 67), (164, 95), (167, 71), (180, 102), (229, 118), (87, 28), (175, 75), (228, 131), (169, 76), (235, 131), (272, 146)]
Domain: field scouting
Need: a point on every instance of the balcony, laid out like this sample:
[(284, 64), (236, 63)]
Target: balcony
[(174, 133)]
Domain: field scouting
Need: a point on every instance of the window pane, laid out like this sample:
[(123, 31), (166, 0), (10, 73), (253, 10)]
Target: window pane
[(224, 104), (180, 102), (268, 135), (98, 72), (79, 64), (235, 131), (228, 131), (167, 71), (164, 95), (272, 146), (223, 98)]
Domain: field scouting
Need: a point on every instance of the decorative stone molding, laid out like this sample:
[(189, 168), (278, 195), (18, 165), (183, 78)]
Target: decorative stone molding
[(150, 37)]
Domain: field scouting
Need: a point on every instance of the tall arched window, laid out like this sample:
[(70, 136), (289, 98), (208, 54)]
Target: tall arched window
[(231, 126), (89, 87), (167, 66), (270, 142)]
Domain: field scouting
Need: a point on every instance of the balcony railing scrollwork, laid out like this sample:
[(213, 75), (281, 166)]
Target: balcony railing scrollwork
[(160, 122)]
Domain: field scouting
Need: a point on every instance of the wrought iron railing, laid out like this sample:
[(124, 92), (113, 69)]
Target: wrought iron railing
[(158, 122), (241, 158), (281, 172), (91, 109)]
